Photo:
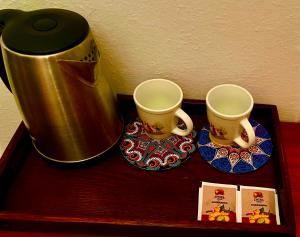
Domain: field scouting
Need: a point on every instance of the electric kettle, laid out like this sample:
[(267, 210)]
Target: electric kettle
[(55, 73)]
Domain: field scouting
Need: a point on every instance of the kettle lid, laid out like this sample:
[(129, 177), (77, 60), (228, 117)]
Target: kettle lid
[(45, 31)]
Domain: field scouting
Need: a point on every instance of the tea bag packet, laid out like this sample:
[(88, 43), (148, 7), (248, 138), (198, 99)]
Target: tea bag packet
[(217, 202), (258, 205)]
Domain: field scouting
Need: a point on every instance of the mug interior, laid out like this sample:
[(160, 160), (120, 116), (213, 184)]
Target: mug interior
[(230, 100), (158, 95)]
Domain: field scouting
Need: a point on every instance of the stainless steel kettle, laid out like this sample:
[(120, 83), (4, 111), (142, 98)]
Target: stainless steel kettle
[(55, 74)]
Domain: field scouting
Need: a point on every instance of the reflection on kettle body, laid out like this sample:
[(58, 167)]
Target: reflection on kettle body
[(65, 100), (83, 71)]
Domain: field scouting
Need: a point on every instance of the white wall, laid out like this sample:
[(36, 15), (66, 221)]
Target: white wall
[(196, 43)]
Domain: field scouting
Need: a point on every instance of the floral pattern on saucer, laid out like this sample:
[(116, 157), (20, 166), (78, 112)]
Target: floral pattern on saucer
[(146, 153), (234, 159)]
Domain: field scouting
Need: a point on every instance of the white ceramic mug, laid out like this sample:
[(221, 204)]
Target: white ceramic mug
[(158, 103), (228, 110)]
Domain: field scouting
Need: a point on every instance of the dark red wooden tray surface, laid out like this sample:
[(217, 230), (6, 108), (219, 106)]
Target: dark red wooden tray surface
[(108, 196)]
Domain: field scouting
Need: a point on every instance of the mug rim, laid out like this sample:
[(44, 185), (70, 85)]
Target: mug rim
[(158, 111), (228, 116)]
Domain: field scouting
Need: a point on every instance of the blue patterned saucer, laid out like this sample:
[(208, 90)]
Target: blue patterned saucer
[(234, 159), (146, 153)]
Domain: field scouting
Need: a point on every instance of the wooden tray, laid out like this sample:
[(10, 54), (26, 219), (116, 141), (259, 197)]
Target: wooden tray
[(109, 196)]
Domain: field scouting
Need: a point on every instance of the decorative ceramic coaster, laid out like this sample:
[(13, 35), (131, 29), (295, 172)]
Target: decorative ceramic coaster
[(146, 153), (234, 159)]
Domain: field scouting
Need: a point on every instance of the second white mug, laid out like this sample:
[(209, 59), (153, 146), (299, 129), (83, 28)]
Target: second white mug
[(228, 110)]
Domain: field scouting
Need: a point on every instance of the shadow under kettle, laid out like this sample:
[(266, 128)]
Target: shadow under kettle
[(52, 66)]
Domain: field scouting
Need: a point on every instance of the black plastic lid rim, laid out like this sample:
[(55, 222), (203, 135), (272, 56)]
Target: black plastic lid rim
[(45, 31)]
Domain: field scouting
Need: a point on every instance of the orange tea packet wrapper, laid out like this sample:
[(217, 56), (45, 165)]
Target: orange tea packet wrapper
[(258, 205), (217, 202)]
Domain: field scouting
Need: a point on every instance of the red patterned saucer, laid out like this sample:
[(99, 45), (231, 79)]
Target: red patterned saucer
[(146, 153)]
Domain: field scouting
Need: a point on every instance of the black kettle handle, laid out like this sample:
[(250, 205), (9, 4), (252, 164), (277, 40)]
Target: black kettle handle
[(5, 16)]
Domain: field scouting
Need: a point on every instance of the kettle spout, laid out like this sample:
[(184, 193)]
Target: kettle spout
[(83, 71)]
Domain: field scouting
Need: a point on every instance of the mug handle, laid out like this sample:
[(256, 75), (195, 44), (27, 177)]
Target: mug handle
[(188, 123), (250, 132)]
